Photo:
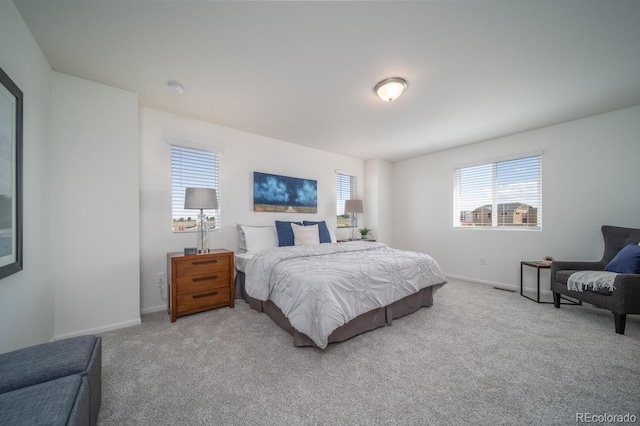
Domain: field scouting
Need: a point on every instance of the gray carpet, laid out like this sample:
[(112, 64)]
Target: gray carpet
[(478, 356)]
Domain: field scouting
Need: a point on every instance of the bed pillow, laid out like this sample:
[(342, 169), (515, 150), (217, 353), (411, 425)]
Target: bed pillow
[(323, 231), (285, 233), (333, 236), (627, 261), (305, 235), (259, 238), (242, 244)]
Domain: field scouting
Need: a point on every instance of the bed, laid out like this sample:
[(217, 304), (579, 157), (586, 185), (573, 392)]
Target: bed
[(329, 292)]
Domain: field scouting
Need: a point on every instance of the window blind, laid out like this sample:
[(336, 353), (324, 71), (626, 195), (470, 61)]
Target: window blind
[(500, 194), (191, 168), (346, 189)]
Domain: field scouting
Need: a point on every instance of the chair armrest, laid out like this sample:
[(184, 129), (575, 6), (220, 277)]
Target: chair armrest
[(628, 289), (628, 281)]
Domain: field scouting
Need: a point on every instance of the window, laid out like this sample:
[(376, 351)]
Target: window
[(512, 189), (346, 189), (191, 168)]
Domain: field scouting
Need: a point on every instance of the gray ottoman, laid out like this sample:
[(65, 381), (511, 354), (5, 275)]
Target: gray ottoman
[(66, 374), (63, 401)]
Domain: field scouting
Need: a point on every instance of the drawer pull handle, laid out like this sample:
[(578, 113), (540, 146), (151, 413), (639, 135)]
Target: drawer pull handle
[(204, 262), (198, 296), (214, 277)]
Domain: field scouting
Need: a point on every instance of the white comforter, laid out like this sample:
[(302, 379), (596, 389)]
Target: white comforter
[(320, 288)]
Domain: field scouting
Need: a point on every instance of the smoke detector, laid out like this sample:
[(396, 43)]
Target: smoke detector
[(176, 87)]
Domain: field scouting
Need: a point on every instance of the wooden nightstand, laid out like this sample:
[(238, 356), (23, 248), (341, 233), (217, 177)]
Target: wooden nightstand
[(200, 282)]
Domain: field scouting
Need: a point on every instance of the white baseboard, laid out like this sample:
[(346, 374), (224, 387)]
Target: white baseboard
[(154, 309), (98, 330), (504, 286)]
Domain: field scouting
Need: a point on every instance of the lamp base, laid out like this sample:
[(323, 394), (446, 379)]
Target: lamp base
[(354, 227), (202, 233)]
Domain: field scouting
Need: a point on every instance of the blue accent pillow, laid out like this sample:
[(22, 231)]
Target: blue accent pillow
[(285, 233), (323, 231), (627, 261)]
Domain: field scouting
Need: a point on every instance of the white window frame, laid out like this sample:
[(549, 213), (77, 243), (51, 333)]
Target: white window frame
[(345, 183), (205, 174), (498, 184)]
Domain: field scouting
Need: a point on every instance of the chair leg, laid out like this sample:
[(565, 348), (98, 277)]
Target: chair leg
[(556, 299), (620, 320)]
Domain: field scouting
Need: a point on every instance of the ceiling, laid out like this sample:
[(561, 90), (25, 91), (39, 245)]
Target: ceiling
[(304, 72)]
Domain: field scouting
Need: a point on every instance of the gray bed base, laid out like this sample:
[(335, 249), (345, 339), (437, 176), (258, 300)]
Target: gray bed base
[(361, 324)]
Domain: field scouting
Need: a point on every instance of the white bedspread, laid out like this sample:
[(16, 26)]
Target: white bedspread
[(320, 288)]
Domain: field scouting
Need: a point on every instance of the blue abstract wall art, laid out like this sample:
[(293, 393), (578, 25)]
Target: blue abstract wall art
[(284, 194)]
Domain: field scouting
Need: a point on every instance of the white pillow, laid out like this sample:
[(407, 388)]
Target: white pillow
[(260, 238), (242, 244), (333, 236), (305, 235)]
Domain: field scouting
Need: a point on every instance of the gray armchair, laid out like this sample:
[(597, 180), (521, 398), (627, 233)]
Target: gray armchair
[(624, 299)]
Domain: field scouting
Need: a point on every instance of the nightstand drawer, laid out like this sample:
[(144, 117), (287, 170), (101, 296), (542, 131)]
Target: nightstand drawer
[(200, 265), (209, 281), (203, 299)]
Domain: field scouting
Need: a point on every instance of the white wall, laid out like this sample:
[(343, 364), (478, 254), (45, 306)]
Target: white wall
[(243, 154), (93, 212), (590, 174), (26, 298), (378, 199)]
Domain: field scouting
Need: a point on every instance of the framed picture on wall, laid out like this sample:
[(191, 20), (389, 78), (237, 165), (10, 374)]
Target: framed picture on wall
[(284, 194), (10, 176)]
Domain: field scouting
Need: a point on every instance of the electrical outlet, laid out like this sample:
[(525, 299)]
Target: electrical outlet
[(483, 261), (160, 280)]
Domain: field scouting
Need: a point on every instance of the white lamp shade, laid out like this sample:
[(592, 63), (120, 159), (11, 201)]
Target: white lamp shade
[(390, 89), (200, 198), (353, 206)]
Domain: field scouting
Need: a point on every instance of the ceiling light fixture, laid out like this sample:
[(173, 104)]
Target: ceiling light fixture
[(176, 87), (390, 89)]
